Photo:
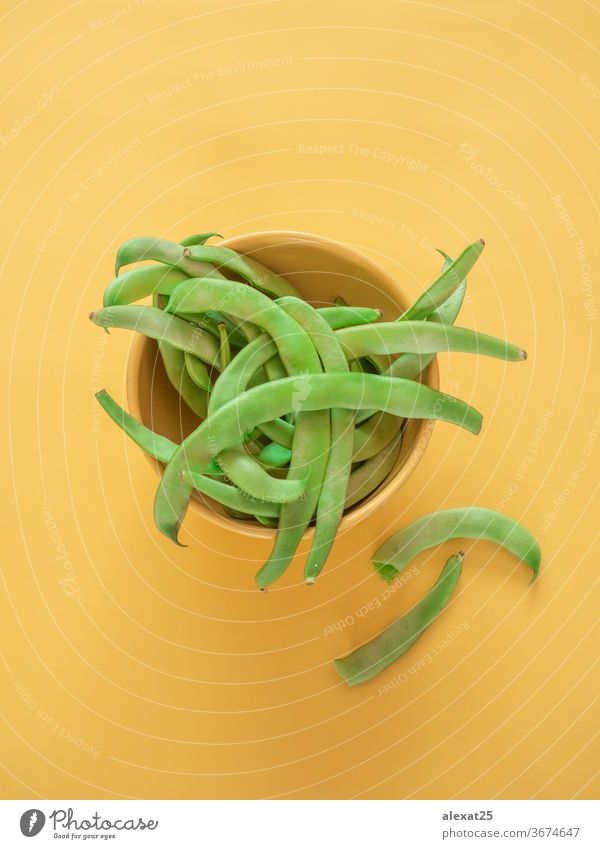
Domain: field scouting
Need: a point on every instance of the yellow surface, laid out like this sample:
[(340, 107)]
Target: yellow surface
[(133, 668)]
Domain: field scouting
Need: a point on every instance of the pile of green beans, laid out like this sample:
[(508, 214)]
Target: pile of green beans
[(300, 409)]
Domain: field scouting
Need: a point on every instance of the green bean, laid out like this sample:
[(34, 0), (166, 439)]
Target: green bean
[(372, 436), (423, 337), (152, 443), (460, 522), (161, 250), (248, 269), (274, 455), (372, 472), (330, 505), (158, 324), (141, 282), (254, 481), (267, 402), (174, 362), (311, 436), (344, 316), (198, 239), (197, 371), (373, 657), (162, 449), (411, 366), (225, 349), (445, 285)]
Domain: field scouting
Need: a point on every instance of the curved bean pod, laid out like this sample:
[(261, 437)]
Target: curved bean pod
[(142, 282), (231, 497), (152, 443), (248, 269), (311, 435), (423, 337), (254, 481), (373, 657), (460, 522), (274, 455), (445, 285), (174, 363), (263, 403), (163, 449), (161, 250), (372, 472), (198, 239), (158, 324), (197, 371), (330, 504), (373, 436), (344, 316), (411, 366)]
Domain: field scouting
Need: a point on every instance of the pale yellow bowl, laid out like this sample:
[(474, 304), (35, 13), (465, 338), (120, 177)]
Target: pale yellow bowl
[(321, 269)]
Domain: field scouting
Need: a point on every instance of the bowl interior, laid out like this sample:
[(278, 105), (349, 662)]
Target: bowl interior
[(321, 270)]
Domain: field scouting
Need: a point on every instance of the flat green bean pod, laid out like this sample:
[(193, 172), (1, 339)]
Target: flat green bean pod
[(411, 366), (373, 436), (161, 250), (222, 429), (423, 337), (141, 283), (159, 325), (162, 449), (372, 472), (375, 656), (274, 455), (344, 316), (179, 378), (330, 504), (198, 239), (311, 435), (457, 523), (248, 269), (446, 284), (197, 371)]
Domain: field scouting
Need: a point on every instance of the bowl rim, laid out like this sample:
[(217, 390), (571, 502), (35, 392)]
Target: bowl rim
[(386, 489)]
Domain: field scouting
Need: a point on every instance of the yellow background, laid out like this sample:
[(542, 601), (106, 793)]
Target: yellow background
[(164, 673)]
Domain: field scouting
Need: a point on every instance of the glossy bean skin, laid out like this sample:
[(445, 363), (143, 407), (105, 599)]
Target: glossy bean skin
[(373, 657), (222, 429), (445, 286), (248, 269), (161, 250), (157, 324), (423, 337), (330, 504), (457, 523)]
